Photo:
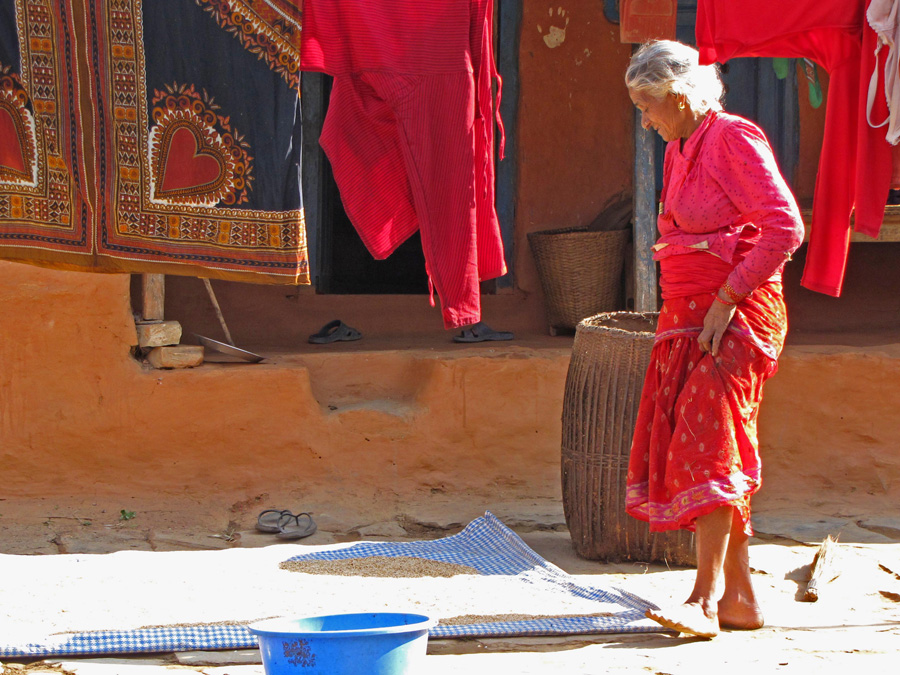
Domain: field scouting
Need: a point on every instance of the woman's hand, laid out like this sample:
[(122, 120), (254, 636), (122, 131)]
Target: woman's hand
[(714, 324)]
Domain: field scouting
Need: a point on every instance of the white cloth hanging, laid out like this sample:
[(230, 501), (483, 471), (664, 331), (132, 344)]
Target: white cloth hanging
[(884, 18)]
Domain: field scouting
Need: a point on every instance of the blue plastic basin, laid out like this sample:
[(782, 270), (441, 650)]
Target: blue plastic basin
[(344, 644)]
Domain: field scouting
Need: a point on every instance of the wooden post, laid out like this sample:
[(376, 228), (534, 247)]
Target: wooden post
[(645, 212), (312, 175), (507, 31), (154, 297)]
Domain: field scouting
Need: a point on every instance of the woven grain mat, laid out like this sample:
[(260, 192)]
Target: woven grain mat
[(138, 602)]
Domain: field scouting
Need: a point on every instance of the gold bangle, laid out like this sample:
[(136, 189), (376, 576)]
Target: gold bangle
[(731, 293)]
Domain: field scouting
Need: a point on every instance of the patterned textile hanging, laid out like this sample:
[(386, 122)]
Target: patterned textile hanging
[(142, 136)]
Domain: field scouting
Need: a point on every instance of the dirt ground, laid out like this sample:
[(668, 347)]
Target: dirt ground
[(855, 624)]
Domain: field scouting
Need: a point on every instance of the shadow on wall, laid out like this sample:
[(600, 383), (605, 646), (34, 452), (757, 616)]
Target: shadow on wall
[(870, 301)]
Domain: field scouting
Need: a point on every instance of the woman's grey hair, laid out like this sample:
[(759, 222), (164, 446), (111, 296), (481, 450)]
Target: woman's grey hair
[(666, 67)]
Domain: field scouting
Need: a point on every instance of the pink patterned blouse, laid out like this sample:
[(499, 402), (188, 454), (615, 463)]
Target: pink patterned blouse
[(724, 194)]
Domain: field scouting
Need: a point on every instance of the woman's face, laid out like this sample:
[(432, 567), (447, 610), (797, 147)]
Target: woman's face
[(662, 114)]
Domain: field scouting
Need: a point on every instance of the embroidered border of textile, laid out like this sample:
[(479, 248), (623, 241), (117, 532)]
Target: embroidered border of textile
[(270, 29), (19, 162), (42, 201)]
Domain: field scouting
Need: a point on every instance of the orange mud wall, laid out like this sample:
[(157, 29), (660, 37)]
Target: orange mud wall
[(80, 417)]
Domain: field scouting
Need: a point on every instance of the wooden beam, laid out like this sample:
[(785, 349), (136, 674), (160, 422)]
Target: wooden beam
[(154, 297), (645, 212)]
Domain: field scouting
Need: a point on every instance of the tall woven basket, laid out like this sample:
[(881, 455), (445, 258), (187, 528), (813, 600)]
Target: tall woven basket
[(580, 272), (603, 390)]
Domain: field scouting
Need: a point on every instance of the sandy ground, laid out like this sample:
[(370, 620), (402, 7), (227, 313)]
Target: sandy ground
[(855, 624)]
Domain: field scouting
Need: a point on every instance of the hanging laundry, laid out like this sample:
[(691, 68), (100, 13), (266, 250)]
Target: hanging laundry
[(855, 163), (884, 18), (142, 136), (409, 133)]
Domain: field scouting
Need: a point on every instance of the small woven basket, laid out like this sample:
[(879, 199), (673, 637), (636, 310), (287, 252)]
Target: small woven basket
[(610, 357), (580, 272)]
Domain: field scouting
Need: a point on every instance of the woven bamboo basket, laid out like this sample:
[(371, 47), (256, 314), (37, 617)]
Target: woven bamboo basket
[(580, 272), (610, 357)]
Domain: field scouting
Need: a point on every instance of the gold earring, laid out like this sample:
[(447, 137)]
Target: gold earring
[(681, 105)]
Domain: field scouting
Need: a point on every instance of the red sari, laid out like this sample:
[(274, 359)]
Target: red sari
[(695, 444)]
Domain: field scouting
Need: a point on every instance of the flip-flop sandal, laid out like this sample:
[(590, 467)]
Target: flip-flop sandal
[(292, 528), (335, 331), (481, 332), (268, 520)]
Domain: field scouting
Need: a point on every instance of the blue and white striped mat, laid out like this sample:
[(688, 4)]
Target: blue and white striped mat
[(485, 544)]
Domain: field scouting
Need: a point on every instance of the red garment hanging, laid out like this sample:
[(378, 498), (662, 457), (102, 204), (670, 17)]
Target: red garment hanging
[(855, 163), (409, 132)]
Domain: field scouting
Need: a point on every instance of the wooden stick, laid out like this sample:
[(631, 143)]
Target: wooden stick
[(823, 569), (154, 292), (212, 296)]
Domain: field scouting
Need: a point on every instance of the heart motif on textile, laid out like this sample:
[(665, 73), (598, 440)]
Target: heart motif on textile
[(187, 166), (12, 131)]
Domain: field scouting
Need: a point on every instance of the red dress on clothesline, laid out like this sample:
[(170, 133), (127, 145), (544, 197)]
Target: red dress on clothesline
[(409, 132)]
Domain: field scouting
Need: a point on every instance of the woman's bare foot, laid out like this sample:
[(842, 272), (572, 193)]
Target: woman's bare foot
[(739, 614), (688, 618)]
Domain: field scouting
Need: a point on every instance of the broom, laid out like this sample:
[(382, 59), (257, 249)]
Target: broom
[(823, 569)]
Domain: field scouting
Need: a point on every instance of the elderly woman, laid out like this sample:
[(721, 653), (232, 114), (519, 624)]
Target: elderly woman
[(727, 224)]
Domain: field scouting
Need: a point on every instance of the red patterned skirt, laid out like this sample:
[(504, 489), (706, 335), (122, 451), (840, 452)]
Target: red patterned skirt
[(695, 443)]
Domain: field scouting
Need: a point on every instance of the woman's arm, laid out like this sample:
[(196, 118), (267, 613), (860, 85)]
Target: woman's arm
[(745, 168)]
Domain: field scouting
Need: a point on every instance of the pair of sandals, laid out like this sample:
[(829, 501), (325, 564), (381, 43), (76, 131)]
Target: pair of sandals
[(338, 331), (286, 525)]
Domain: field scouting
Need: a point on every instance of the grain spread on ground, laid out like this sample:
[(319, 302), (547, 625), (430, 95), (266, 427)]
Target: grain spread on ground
[(195, 624), (379, 566), (467, 619)]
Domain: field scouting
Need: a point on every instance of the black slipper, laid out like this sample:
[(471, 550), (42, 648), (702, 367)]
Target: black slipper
[(293, 528), (481, 332), (268, 520), (335, 331)]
